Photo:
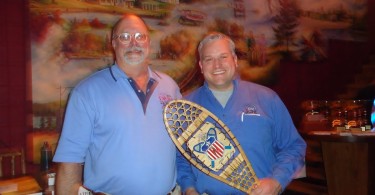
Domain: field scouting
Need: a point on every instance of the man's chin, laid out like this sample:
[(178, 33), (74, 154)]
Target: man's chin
[(134, 61)]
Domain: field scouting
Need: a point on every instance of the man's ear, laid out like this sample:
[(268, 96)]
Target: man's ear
[(235, 60), (113, 44)]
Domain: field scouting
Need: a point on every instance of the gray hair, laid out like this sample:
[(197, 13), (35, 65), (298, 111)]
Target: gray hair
[(216, 36)]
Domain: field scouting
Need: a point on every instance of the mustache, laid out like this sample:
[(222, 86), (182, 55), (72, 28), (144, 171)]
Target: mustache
[(134, 49)]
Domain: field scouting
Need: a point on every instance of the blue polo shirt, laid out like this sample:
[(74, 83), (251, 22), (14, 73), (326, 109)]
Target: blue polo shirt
[(262, 125), (119, 134)]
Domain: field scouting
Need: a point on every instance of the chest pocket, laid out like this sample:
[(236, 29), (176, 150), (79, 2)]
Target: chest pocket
[(253, 128)]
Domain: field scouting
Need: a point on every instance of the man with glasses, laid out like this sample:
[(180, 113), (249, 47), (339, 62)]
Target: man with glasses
[(114, 127)]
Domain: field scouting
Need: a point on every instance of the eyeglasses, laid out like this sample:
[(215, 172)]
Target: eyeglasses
[(125, 38)]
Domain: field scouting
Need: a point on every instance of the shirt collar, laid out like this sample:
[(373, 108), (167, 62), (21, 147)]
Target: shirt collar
[(117, 73)]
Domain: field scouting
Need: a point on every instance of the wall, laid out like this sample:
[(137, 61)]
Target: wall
[(14, 55), (301, 81), (323, 80), (297, 81)]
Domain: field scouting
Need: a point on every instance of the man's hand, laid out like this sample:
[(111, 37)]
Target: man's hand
[(267, 186), (191, 191)]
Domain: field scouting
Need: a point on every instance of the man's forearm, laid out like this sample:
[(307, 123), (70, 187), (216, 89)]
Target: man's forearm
[(68, 178)]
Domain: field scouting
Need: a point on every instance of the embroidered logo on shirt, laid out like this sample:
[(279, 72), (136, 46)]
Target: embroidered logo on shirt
[(249, 110), (165, 98)]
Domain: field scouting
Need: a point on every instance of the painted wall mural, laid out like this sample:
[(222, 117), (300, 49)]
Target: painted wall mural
[(70, 39)]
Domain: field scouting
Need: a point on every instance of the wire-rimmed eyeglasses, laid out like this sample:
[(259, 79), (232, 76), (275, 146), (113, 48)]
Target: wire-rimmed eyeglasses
[(125, 38)]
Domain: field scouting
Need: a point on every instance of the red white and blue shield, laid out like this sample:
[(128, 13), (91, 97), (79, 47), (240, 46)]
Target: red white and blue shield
[(216, 150)]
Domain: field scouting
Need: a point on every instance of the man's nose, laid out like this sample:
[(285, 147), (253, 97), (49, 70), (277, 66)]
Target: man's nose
[(133, 42), (216, 62)]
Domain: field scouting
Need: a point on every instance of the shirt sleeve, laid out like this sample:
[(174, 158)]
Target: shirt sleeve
[(185, 175), (77, 130), (289, 145)]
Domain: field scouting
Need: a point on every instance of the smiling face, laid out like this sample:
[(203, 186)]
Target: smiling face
[(218, 64), (131, 52)]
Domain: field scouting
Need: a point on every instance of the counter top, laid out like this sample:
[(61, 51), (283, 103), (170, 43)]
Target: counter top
[(341, 136)]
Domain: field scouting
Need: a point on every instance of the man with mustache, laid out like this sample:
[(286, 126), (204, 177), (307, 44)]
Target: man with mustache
[(113, 139)]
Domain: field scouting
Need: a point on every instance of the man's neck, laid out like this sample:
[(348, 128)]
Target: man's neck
[(222, 96), (134, 71), (139, 73)]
